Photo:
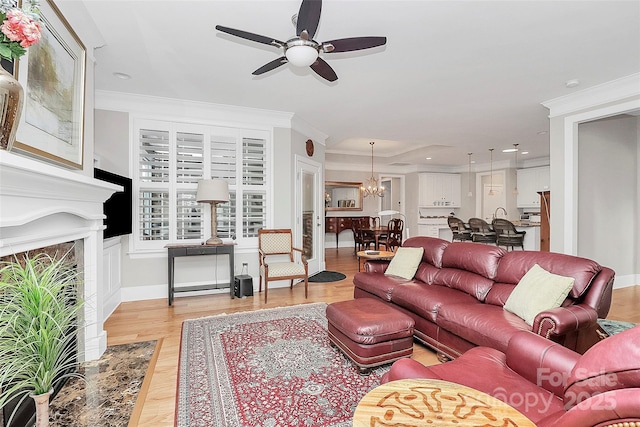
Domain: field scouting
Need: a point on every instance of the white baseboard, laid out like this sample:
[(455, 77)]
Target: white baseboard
[(626, 281)]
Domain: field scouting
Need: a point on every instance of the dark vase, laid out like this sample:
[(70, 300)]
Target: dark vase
[(11, 100)]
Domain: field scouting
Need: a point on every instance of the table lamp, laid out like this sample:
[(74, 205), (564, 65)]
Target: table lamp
[(213, 191)]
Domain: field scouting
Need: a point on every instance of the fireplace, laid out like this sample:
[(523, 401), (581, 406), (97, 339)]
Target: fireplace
[(43, 205)]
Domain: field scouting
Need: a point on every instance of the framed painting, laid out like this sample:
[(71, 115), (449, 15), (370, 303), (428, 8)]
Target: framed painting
[(52, 73)]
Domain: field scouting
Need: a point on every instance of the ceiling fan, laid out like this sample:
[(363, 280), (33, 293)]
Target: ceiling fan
[(302, 50)]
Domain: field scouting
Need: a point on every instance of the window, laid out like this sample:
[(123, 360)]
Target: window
[(172, 158)]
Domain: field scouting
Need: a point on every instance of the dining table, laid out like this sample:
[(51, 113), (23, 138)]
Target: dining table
[(377, 232)]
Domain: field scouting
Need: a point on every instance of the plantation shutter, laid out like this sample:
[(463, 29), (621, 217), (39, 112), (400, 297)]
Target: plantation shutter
[(154, 215), (189, 160), (154, 156), (173, 157), (254, 178), (154, 176)]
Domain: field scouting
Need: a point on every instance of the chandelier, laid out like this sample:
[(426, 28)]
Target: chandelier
[(371, 187)]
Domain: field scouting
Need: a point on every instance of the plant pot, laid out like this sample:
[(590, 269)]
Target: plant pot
[(42, 408), (11, 100)]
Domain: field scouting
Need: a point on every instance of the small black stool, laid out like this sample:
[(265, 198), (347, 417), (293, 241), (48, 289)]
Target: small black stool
[(243, 286)]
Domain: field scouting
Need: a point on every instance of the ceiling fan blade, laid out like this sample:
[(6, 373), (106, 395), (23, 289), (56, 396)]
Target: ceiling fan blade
[(353, 43), (308, 17), (270, 66), (250, 36), (324, 70)]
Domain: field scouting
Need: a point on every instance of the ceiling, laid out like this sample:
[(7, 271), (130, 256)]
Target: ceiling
[(454, 77)]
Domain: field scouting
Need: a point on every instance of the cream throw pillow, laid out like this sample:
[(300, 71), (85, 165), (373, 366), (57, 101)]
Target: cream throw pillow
[(405, 263), (538, 290)]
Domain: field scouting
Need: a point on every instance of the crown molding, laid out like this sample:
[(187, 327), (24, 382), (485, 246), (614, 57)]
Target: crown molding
[(300, 125), (598, 95), (194, 110)]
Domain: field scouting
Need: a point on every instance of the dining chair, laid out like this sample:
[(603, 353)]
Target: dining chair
[(279, 242), (507, 235), (459, 229), (393, 237), (362, 238), (481, 231)]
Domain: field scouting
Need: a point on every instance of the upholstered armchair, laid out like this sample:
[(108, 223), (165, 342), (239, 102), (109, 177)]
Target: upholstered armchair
[(548, 383), (279, 242)]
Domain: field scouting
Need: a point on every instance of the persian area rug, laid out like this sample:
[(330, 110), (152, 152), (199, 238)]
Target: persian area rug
[(110, 390), (327, 276), (266, 368)]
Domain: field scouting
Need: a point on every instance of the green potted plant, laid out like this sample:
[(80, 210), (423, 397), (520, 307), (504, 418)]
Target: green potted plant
[(39, 308)]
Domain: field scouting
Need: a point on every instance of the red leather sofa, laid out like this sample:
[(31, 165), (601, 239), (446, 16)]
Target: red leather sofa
[(548, 383), (457, 295)]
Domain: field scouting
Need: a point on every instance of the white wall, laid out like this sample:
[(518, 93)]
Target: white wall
[(608, 193), (112, 141)]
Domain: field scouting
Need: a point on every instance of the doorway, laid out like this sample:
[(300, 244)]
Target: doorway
[(486, 204), (309, 213)]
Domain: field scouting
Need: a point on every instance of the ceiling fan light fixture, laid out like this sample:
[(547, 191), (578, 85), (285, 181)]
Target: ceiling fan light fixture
[(301, 55)]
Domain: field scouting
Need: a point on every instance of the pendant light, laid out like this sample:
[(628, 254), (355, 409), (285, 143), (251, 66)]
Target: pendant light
[(371, 188), (491, 193), (470, 193), (515, 188)]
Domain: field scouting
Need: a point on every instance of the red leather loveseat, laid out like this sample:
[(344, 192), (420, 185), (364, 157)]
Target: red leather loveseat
[(548, 383), (457, 295)]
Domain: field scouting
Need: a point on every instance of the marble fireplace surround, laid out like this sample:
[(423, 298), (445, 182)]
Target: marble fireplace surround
[(43, 205)]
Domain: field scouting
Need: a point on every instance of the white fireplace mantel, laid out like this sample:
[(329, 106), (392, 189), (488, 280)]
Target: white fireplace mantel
[(43, 205)]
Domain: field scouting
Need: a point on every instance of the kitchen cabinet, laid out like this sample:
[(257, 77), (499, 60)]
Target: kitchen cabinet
[(439, 189), (530, 181)]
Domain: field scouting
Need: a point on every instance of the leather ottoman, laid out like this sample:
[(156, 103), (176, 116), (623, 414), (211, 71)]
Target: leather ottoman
[(370, 332)]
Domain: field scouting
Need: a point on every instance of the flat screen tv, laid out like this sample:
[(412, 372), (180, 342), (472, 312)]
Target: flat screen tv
[(118, 209)]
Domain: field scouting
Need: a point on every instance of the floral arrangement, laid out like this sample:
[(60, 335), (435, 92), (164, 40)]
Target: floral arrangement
[(20, 28)]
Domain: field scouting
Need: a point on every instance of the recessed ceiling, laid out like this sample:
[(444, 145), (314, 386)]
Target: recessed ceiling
[(454, 77)]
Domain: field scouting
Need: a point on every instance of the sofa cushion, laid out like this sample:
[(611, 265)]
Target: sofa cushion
[(426, 273), (611, 364), (433, 248), (405, 262), (499, 293), (377, 284), (515, 264), (537, 291), (481, 324), (479, 259), (465, 281), (425, 300)]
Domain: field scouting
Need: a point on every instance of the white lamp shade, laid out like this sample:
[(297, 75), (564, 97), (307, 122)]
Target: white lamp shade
[(301, 56), (212, 190)]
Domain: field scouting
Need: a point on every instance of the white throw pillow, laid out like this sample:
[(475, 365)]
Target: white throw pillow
[(537, 291), (405, 263)]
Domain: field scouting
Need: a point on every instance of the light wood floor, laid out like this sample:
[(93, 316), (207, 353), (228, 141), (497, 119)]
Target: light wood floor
[(153, 319)]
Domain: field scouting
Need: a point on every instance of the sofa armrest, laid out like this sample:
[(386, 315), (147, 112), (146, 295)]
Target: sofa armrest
[(563, 320), (376, 265), (541, 361)]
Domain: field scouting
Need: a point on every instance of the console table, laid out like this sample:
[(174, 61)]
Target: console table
[(337, 224), (174, 251)]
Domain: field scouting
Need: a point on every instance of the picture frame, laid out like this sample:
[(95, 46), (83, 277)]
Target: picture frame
[(52, 74)]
